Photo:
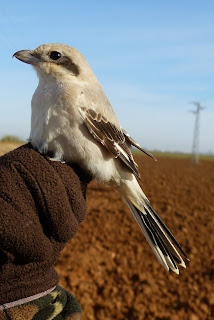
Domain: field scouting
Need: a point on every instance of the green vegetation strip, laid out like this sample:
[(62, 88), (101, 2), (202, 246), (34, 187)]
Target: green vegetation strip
[(158, 154)]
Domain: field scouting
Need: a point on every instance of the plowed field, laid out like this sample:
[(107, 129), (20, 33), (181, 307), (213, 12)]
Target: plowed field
[(110, 267)]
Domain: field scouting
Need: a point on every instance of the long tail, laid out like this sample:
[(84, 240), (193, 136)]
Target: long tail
[(159, 236)]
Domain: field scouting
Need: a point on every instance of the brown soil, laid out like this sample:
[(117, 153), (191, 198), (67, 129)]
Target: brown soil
[(110, 267)]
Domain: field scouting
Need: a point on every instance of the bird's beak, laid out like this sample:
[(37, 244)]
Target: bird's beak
[(27, 57)]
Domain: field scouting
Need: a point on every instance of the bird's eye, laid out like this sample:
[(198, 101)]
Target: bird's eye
[(54, 55)]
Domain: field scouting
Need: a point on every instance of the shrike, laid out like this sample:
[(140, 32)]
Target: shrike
[(73, 119)]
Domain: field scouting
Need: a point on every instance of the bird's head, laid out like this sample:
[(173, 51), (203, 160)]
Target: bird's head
[(56, 61)]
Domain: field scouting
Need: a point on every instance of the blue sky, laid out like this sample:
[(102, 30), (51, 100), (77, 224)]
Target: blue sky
[(152, 58)]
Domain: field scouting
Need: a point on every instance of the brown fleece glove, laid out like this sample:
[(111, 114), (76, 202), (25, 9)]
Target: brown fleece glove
[(41, 204)]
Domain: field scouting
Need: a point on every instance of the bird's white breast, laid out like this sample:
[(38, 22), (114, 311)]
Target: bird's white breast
[(57, 126)]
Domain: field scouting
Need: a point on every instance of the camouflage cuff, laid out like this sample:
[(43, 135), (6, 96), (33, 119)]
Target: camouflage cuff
[(59, 304)]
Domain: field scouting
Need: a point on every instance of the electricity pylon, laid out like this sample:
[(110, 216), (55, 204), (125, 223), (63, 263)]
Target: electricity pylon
[(195, 146)]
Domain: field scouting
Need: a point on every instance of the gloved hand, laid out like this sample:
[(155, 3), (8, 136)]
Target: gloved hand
[(42, 203)]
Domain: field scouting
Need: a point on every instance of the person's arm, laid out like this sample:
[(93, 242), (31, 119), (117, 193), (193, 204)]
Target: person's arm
[(41, 204)]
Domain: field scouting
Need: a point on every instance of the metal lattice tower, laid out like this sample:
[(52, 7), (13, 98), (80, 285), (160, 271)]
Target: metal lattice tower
[(195, 146)]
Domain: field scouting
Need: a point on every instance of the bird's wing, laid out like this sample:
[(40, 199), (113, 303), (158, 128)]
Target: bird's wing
[(110, 136), (136, 145)]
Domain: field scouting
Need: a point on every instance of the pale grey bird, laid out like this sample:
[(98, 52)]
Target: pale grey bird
[(73, 119)]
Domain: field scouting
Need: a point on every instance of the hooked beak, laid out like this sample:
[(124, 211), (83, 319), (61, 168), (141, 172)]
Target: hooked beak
[(27, 57)]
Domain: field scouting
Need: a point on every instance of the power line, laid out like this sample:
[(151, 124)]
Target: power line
[(195, 146)]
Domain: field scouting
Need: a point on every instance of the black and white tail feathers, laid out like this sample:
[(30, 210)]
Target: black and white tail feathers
[(158, 236)]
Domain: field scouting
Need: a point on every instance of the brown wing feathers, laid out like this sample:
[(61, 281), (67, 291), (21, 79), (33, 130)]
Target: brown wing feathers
[(109, 135), (136, 145), (115, 140)]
